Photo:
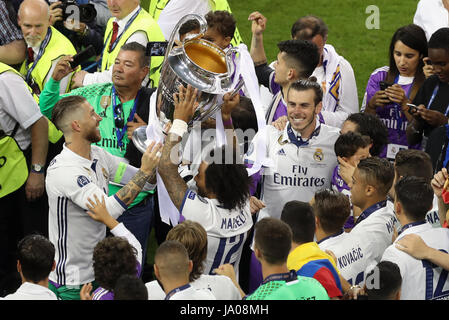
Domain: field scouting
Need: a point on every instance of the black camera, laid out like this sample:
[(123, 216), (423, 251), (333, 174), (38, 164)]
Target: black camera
[(85, 13)]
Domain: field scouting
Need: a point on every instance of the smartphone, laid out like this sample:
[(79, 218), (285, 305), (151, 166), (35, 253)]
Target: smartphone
[(384, 85), (156, 48), (82, 56), (412, 109)]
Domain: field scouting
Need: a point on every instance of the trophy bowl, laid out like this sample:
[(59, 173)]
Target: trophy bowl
[(196, 62)]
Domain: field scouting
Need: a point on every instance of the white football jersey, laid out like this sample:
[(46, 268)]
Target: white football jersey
[(227, 230), (295, 173), (70, 181), (421, 279), (220, 286), (432, 216), (362, 248)]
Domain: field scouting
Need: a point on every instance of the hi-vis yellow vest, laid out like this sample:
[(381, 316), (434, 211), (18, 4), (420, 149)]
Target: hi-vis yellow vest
[(156, 7), (53, 133), (13, 165), (143, 22), (57, 46)]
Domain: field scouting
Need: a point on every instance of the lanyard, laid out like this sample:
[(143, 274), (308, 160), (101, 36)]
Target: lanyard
[(409, 225), (434, 93), (366, 213), (131, 20), (176, 290), (331, 236), (287, 277), (121, 132), (39, 55), (299, 142)]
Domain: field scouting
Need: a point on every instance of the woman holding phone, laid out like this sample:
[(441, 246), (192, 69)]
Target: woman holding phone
[(391, 88)]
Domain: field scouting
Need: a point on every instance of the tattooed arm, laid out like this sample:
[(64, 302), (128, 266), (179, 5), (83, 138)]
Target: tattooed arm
[(168, 170), (150, 160), (185, 104)]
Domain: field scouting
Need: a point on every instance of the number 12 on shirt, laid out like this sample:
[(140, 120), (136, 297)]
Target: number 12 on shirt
[(227, 247)]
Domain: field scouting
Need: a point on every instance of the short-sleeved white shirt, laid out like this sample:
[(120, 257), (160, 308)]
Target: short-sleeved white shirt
[(296, 173), (421, 280)]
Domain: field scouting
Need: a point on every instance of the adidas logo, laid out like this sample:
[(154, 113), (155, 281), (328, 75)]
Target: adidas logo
[(281, 152)]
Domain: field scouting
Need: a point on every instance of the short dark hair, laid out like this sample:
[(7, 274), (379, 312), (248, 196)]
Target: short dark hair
[(439, 39), (172, 259), (304, 85), (304, 55), (332, 208), (112, 258), (244, 116), (307, 27), (390, 281), (194, 238), (223, 21), (64, 107), (415, 195), (273, 238), (144, 60), (370, 125), (36, 255), (228, 179), (130, 287), (347, 144), (377, 172), (300, 218), (412, 162), (188, 26)]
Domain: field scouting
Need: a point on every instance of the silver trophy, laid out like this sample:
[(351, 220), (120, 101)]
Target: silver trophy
[(197, 62)]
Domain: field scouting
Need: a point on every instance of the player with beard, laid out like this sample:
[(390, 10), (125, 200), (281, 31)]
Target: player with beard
[(221, 205), (80, 171)]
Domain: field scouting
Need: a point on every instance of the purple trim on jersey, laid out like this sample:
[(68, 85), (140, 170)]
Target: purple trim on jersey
[(109, 295), (387, 114), (341, 185), (338, 181), (255, 275), (121, 202), (321, 118), (190, 194), (281, 108)]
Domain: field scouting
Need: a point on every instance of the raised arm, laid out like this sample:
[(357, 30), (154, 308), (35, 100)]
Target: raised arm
[(185, 104), (257, 49)]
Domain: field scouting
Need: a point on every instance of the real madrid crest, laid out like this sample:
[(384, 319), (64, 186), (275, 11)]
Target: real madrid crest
[(318, 155)]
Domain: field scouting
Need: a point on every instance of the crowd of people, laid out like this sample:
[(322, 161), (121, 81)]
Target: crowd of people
[(349, 201)]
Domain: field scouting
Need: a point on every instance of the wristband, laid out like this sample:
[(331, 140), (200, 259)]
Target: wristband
[(179, 127), (228, 122)]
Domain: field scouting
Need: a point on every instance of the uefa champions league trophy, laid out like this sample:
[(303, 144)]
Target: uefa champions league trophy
[(197, 62)]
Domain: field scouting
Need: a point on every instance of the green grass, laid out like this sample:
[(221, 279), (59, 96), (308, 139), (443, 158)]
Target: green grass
[(365, 49)]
